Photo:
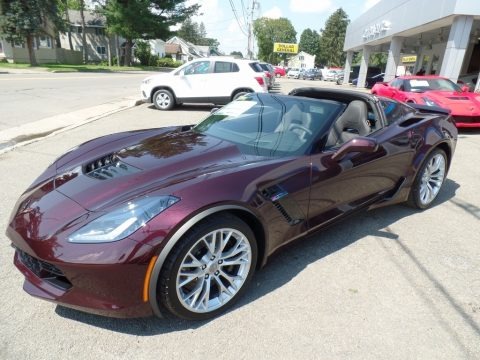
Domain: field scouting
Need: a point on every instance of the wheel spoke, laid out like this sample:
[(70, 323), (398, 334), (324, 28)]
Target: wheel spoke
[(213, 270)]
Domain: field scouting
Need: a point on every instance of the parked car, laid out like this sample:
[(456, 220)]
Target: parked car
[(279, 71), (469, 80), (332, 75), (213, 80), (370, 81), (174, 221), (355, 70), (434, 91), (269, 73), (293, 73), (311, 74)]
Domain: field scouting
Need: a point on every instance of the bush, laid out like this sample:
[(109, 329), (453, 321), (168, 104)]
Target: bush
[(168, 62), (143, 52)]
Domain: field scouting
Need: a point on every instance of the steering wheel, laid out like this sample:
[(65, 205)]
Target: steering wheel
[(301, 127)]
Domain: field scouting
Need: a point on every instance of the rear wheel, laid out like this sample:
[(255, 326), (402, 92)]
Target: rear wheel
[(209, 269), (429, 180), (163, 100)]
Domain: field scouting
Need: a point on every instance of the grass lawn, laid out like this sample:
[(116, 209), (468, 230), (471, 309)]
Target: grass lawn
[(77, 68)]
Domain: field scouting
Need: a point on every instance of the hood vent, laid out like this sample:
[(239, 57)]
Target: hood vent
[(458, 98), (108, 167)]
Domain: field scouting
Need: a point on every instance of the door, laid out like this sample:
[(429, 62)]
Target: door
[(192, 82)]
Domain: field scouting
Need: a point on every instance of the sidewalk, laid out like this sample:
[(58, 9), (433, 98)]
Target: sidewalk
[(34, 131)]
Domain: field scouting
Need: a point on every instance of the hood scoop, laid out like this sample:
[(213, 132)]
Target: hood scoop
[(458, 98), (108, 167)]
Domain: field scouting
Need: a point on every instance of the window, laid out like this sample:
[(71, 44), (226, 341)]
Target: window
[(395, 111), (397, 83), (101, 50), (79, 29), (44, 42), (225, 67), (199, 67), (301, 58), (99, 31), (1, 46)]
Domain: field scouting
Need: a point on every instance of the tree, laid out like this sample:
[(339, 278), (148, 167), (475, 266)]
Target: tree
[(309, 42), (145, 19), (237, 54), (189, 31), (21, 21), (332, 39), (269, 31)]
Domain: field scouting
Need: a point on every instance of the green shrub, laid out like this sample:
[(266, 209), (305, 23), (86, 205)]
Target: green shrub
[(168, 62), (143, 52)]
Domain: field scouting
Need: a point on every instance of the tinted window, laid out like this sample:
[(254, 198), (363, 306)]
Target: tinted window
[(256, 67), (396, 83), (395, 111), (224, 67), (199, 67)]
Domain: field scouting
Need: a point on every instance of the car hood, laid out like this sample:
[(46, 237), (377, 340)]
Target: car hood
[(151, 163), (460, 103)]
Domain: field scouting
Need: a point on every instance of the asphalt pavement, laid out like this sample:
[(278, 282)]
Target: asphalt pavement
[(393, 283)]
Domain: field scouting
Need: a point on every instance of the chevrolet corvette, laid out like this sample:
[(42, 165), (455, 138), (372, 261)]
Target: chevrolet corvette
[(174, 221), (435, 91)]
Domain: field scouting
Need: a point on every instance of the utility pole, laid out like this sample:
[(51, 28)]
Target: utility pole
[(250, 29)]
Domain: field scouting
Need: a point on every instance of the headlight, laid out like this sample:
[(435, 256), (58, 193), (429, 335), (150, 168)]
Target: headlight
[(429, 102), (123, 221)]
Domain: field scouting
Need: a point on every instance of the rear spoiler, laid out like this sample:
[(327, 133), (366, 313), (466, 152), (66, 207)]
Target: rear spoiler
[(430, 109)]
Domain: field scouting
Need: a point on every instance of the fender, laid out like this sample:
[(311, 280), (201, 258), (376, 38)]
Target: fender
[(152, 286)]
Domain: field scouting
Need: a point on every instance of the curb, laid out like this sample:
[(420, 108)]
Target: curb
[(25, 134)]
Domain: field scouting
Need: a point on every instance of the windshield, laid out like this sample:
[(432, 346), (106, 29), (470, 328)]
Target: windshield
[(271, 125), (422, 85)]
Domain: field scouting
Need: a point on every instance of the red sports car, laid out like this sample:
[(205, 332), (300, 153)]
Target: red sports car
[(174, 221), (435, 91)]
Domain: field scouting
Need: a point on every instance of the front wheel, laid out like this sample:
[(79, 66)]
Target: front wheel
[(429, 180), (209, 269), (163, 100), (239, 93)]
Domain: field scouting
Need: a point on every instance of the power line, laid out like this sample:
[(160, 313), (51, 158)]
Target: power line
[(240, 25)]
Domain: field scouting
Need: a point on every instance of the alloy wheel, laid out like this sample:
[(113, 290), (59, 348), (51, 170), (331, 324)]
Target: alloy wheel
[(432, 178)]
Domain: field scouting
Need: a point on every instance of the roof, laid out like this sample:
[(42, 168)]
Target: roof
[(173, 49), (92, 19)]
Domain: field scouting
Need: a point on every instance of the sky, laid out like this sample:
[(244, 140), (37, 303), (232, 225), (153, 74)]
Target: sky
[(221, 23)]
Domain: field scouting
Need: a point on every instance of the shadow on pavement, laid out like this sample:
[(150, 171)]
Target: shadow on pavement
[(276, 274)]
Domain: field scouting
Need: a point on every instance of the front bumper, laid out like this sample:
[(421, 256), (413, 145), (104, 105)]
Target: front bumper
[(100, 287), (467, 121)]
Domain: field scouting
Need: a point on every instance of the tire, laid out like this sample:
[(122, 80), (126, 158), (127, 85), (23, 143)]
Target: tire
[(163, 100), (429, 180), (195, 282)]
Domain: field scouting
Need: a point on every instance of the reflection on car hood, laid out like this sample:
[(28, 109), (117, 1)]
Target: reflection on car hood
[(460, 103), (154, 162)]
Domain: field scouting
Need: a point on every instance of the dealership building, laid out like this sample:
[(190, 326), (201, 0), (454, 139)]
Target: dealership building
[(440, 37)]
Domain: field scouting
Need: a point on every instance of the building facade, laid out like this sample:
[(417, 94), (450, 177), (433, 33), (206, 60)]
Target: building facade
[(302, 60), (440, 37)]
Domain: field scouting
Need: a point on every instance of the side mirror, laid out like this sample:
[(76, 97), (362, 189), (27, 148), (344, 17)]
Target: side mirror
[(465, 88), (358, 144)]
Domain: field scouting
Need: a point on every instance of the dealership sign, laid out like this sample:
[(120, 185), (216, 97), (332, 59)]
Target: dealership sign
[(285, 48), (376, 30)]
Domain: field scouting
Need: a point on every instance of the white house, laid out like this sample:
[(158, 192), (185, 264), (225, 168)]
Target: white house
[(302, 60)]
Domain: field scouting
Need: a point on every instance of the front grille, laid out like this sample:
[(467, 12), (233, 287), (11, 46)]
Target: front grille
[(467, 119), (44, 270), (108, 167)]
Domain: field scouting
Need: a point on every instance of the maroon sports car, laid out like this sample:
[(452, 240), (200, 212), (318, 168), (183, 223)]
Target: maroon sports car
[(174, 221)]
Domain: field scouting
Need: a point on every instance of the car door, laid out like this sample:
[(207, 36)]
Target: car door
[(192, 82), (360, 178), (224, 77)]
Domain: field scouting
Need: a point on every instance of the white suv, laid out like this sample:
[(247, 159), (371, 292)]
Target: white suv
[(214, 80)]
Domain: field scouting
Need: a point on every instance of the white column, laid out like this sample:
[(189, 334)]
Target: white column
[(456, 47), (348, 66), (362, 74), (393, 60)]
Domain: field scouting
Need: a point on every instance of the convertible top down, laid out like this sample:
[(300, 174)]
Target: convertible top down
[(174, 221)]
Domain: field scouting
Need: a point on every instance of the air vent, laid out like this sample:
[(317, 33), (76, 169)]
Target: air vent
[(108, 167), (458, 98), (277, 195)]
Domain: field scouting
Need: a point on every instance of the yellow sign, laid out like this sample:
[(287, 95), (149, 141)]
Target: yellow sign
[(285, 48), (409, 59)]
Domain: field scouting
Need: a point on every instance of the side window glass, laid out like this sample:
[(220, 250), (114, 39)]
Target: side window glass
[(200, 67), (393, 111), (224, 67)]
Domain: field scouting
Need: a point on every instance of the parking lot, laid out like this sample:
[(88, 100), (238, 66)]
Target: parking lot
[(393, 283)]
